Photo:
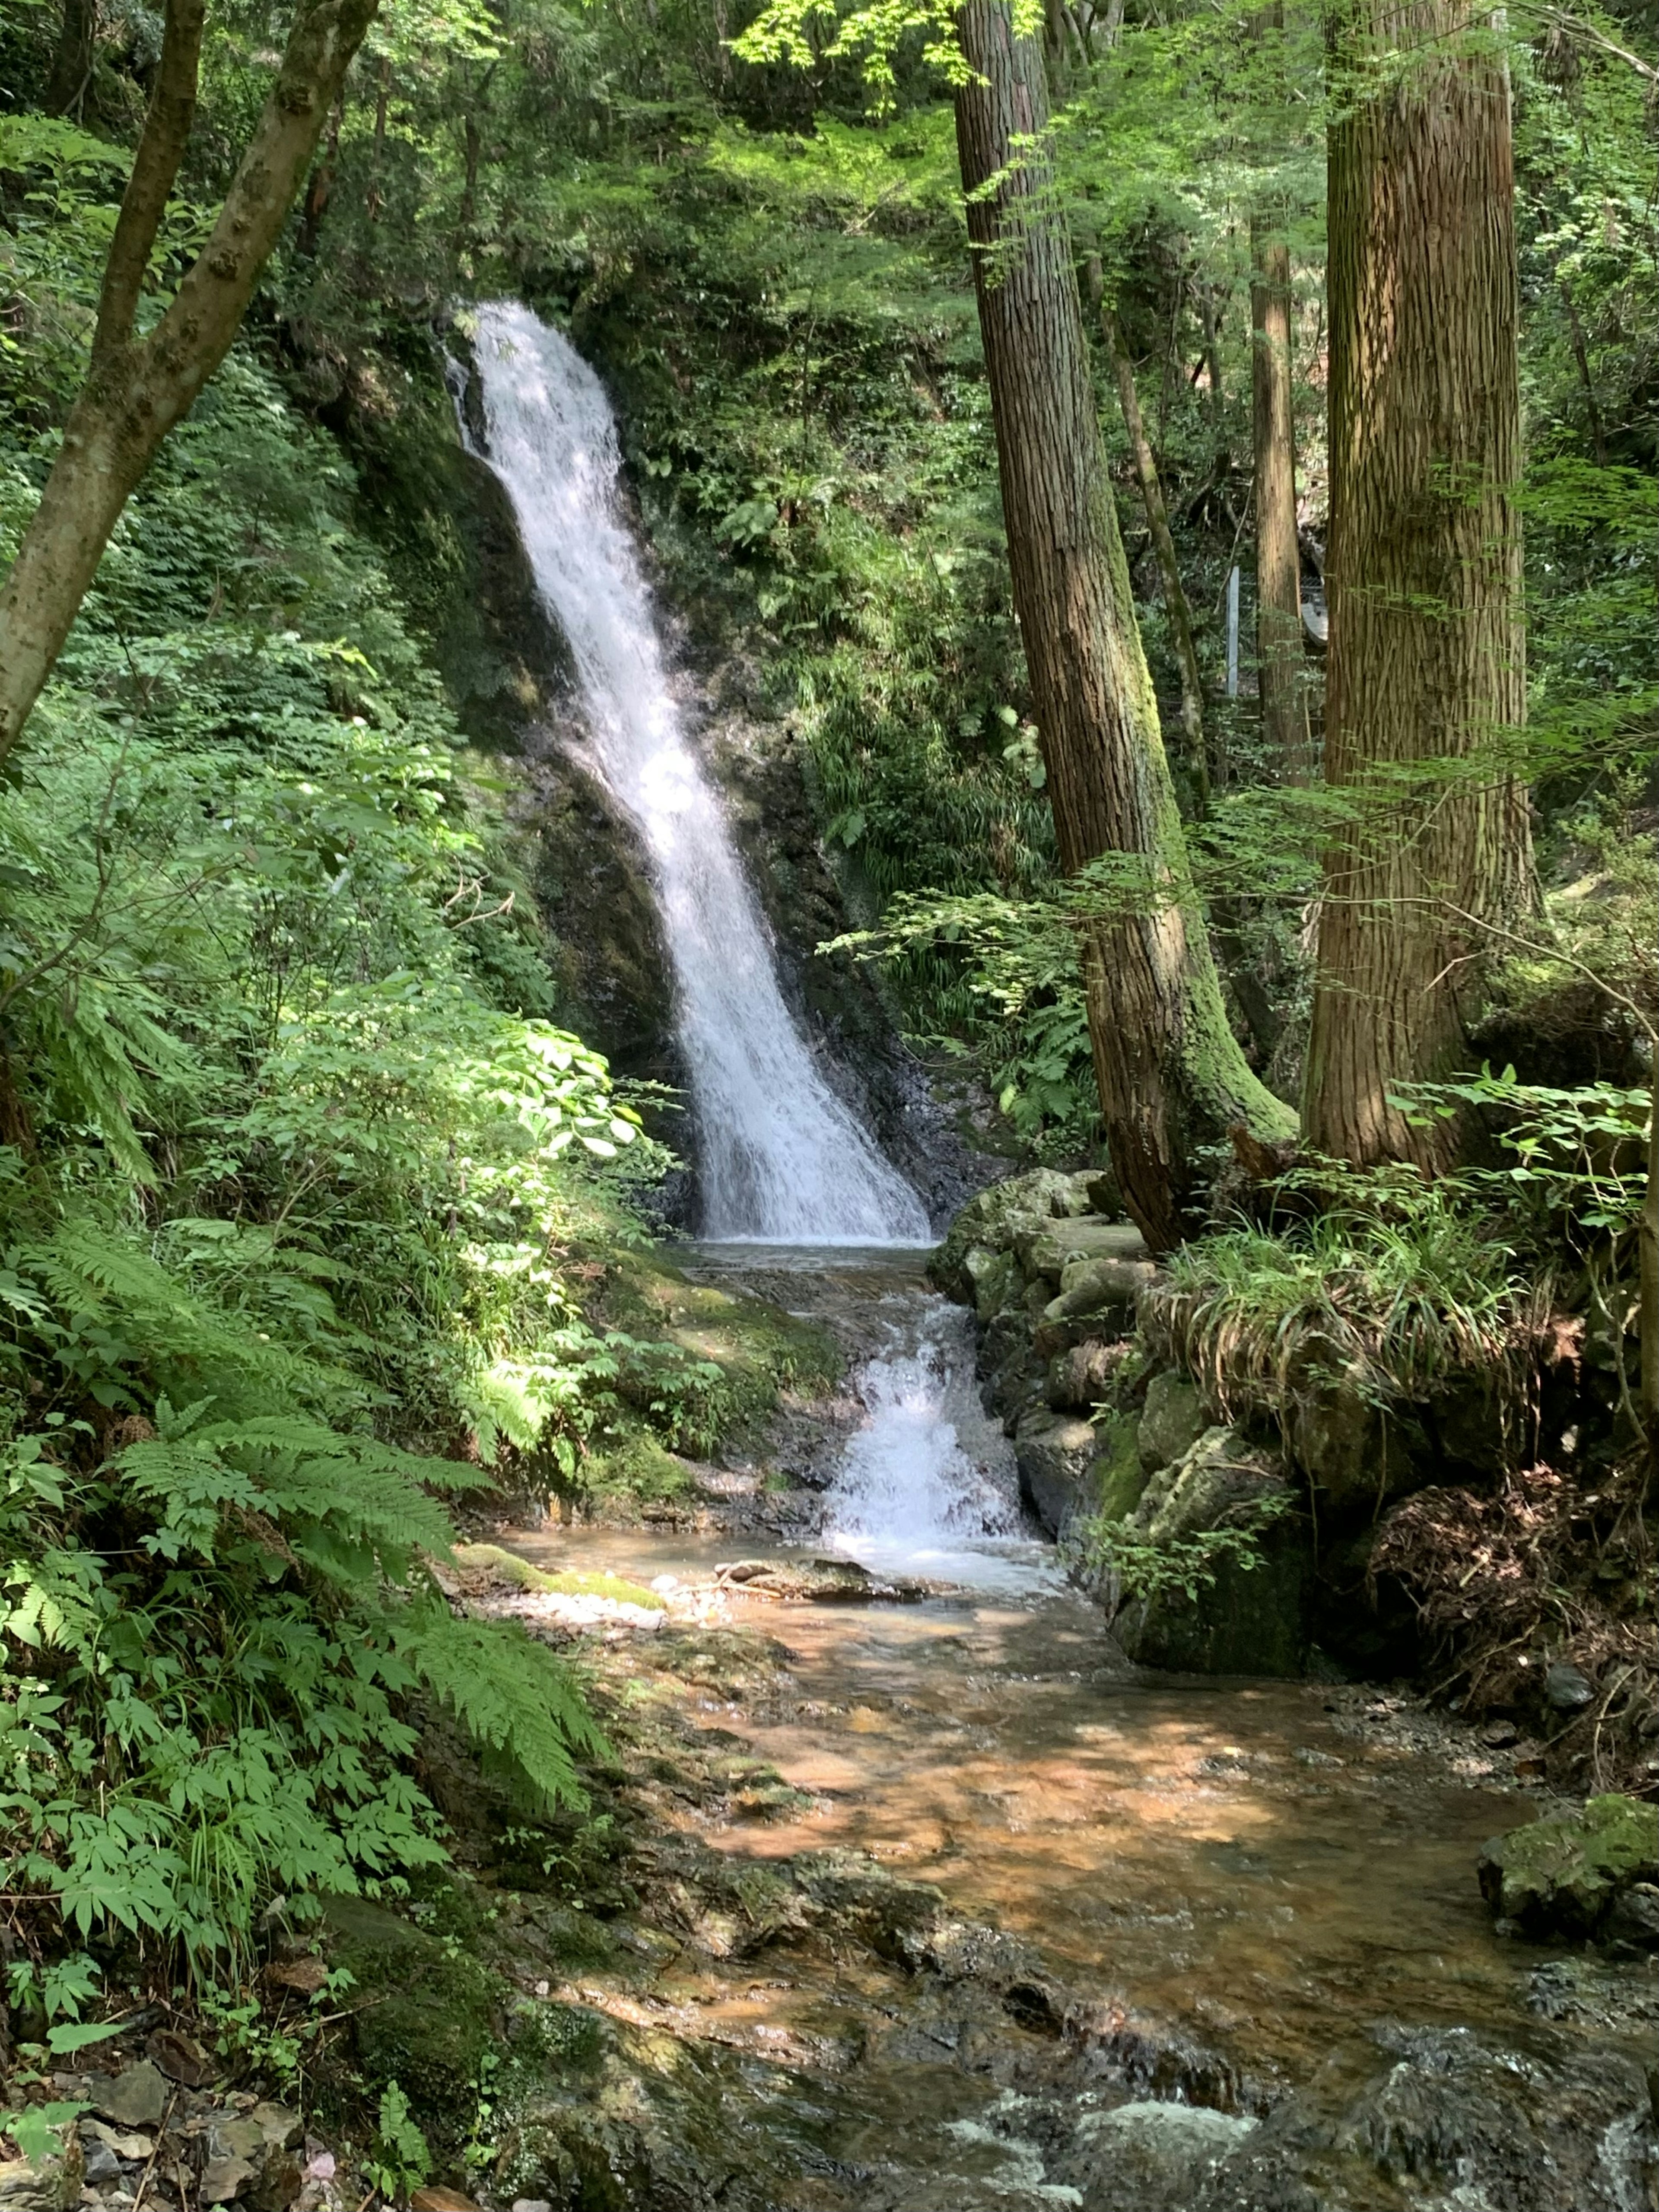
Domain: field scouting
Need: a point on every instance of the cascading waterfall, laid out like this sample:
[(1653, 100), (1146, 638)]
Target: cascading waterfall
[(926, 1484), (782, 1160)]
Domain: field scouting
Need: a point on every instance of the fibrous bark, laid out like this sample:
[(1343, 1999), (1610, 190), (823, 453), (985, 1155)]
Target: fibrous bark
[(1278, 563), (1170, 1072), (1424, 681), (137, 389)]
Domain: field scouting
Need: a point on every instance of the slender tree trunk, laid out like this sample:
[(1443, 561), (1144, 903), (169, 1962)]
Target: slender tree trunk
[(1278, 564), (1171, 1075), (1648, 1320), (1425, 673), (71, 63), (1157, 523), (136, 389)]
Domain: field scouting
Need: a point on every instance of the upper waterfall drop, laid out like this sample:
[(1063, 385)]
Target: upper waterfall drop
[(783, 1161)]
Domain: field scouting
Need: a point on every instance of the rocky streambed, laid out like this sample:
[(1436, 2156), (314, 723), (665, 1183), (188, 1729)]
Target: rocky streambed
[(927, 1896)]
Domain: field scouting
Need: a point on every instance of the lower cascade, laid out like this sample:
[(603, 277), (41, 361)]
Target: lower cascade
[(781, 1158)]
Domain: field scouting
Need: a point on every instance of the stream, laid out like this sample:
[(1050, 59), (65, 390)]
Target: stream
[(931, 1901), (1231, 1952)]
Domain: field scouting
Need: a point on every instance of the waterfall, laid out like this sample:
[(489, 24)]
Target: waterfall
[(782, 1160), (926, 1484)]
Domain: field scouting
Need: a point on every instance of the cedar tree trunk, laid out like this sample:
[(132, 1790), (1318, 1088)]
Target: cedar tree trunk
[(1278, 566), (1171, 1075), (137, 388), (1425, 677)]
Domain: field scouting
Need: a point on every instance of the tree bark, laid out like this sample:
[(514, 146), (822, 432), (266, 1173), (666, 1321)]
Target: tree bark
[(137, 389), (1647, 1236), (1157, 523), (1170, 1072), (1277, 565), (1425, 671), (72, 60)]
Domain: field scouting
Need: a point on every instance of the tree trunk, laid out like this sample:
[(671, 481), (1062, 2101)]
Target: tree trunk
[(1157, 523), (1648, 1312), (1170, 1072), (136, 390), (71, 62), (1278, 566), (1424, 681)]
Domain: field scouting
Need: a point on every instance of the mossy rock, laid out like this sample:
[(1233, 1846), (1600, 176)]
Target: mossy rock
[(504, 1566), (989, 1221), (1589, 1874), (706, 1366), (1118, 1473), (425, 2013)]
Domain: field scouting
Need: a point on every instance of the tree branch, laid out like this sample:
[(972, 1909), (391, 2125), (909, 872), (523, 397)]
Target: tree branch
[(161, 148)]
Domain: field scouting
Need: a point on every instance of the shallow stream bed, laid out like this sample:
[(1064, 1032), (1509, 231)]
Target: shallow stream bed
[(1243, 1961)]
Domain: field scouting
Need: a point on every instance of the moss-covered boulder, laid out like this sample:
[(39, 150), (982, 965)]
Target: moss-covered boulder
[(1212, 1567), (1595, 1874), (989, 1221), (1173, 1420), (425, 2011)]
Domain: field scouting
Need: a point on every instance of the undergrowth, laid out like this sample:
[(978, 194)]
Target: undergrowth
[(1384, 1279)]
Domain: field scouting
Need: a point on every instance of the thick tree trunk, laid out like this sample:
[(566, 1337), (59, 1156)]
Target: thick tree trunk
[(1278, 564), (1424, 677), (136, 390), (1170, 1072)]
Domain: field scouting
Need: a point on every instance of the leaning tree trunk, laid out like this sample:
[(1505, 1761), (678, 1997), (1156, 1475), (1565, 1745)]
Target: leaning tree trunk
[(1170, 1072), (1277, 565), (1425, 679), (136, 389)]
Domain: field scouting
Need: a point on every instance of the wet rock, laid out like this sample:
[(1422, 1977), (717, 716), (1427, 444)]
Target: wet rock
[(1172, 1421), (136, 2097), (1503, 2129), (1247, 1612), (1054, 1452), (1566, 1689), (1561, 1876), (1148, 2156)]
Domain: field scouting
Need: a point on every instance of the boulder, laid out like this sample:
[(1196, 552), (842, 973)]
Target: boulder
[(1568, 1876), (989, 1274), (1248, 1611), (1083, 1378), (1173, 1421), (1048, 1247), (136, 2097), (987, 1219), (1119, 1477), (1096, 1297), (1054, 1452)]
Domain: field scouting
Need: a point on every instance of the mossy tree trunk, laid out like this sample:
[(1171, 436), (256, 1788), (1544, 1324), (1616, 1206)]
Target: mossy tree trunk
[(1170, 1072), (1425, 684), (136, 389)]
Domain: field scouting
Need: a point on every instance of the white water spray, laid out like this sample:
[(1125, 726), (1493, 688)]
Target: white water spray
[(781, 1158), (926, 1485)]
